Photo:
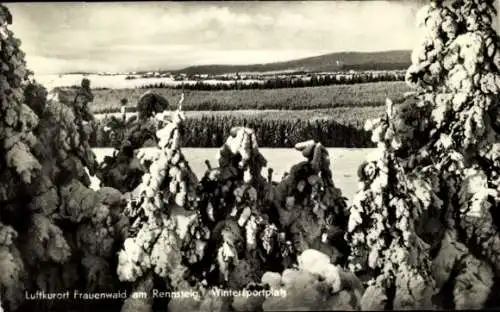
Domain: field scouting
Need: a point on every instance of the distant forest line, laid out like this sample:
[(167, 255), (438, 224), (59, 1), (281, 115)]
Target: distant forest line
[(313, 80)]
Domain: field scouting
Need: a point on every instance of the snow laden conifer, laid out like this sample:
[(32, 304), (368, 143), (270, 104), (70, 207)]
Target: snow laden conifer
[(311, 210), (46, 206), (81, 225), (18, 165), (443, 155), (386, 249), (166, 193), (234, 235)]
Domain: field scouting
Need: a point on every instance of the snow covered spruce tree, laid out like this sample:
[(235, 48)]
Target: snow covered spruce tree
[(386, 250), (311, 210), (432, 191), (46, 209), (234, 240), (151, 255), (84, 225)]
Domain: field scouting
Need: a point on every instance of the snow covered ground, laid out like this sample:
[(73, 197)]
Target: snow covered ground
[(345, 162), (117, 81)]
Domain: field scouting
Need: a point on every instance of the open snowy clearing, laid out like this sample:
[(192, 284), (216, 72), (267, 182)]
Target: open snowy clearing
[(345, 162), (119, 81)]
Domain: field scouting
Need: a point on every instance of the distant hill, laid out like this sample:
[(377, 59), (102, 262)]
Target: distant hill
[(387, 60)]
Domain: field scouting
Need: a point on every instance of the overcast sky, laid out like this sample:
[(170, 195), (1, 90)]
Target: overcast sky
[(62, 37)]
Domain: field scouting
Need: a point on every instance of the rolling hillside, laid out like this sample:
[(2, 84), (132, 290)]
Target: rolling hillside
[(386, 60)]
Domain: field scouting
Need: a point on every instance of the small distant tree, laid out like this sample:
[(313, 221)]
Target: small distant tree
[(151, 103), (123, 108)]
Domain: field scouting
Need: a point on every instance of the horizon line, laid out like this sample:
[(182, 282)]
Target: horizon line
[(180, 68)]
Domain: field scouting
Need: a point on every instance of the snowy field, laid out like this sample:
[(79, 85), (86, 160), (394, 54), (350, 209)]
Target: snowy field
[(345, 162), (116, 81)]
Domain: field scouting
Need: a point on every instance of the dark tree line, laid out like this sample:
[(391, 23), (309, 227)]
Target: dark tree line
[(211, 131), (287, 82)]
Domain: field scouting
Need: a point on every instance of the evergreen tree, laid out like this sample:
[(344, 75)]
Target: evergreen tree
[(424, 226), (56, 234)]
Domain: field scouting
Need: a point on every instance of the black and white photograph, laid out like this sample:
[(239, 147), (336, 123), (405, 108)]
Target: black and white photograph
[(232, 156)]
